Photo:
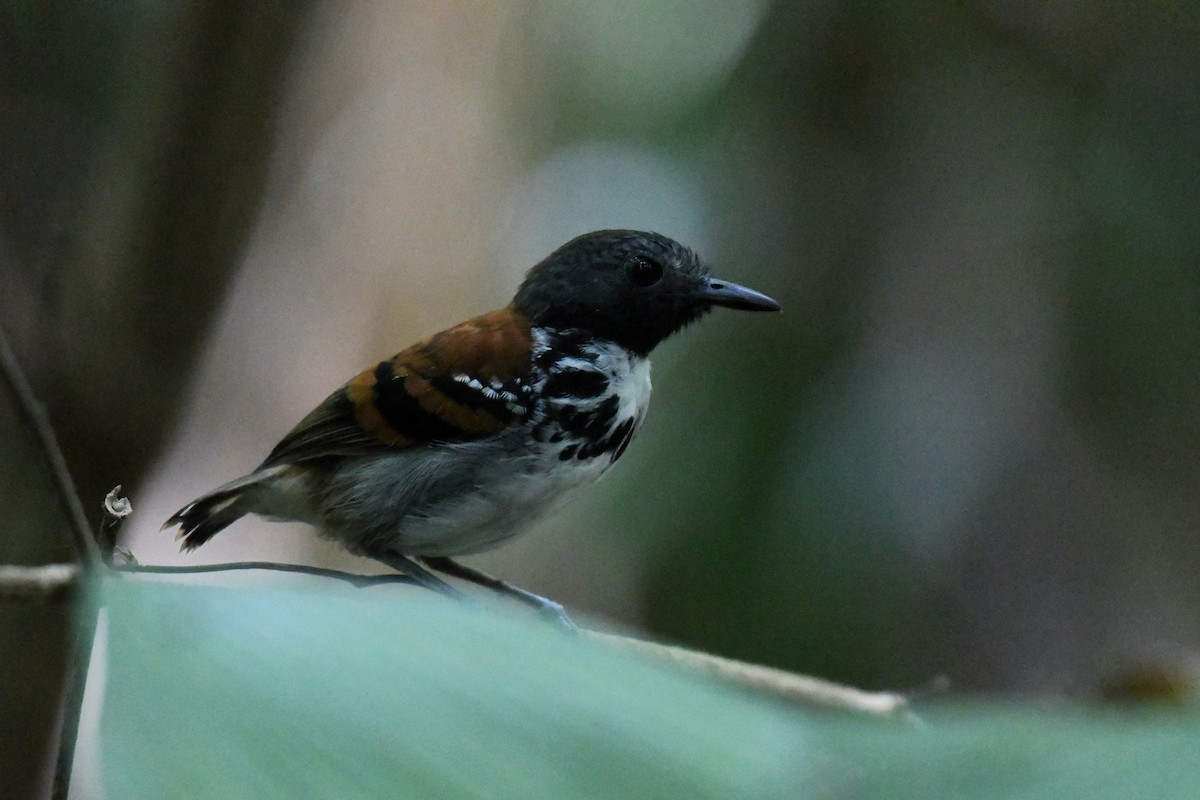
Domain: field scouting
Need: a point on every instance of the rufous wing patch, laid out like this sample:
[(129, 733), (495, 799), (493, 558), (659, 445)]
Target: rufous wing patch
[(362, 395), (443, 387), (492, 346)]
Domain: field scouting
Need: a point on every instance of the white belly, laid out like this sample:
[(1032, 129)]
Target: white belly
[(483, 519)]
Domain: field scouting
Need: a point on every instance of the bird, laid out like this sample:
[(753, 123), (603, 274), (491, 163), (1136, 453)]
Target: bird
[(456, 443)]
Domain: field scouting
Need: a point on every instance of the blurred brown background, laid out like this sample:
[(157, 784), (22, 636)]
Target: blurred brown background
[(969, 447)]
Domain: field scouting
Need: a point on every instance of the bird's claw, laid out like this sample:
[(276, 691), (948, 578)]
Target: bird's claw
[(554, 612)]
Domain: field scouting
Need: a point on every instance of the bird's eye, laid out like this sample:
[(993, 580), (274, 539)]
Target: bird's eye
[(643, 271)]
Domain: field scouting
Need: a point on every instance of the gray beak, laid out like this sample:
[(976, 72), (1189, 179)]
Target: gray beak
[(730, 295)]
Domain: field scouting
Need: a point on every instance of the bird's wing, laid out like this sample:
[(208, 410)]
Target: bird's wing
[(465, 383)]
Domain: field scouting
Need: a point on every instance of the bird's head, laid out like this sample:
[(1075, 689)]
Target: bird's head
[(630, 287)]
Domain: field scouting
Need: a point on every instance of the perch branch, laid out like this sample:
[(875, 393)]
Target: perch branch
[(804, 690), (352, 578)]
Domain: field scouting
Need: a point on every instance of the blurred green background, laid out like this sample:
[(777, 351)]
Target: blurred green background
[(969, 447)]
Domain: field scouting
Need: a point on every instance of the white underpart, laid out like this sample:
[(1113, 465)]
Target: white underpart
[(517, 478)]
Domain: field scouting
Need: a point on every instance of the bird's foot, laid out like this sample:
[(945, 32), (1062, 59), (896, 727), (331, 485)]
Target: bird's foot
[(545, 607)]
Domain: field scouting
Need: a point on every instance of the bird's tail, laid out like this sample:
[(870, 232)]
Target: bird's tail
[(209, 514)]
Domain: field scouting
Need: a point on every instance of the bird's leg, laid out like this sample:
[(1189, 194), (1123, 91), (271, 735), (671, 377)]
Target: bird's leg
[(548, 608), (420, 575)]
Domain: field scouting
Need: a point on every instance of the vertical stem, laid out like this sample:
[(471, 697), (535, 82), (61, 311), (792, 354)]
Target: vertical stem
[(86, 551), (35, 417)]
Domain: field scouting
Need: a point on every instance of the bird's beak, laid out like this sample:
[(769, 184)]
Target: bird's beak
[(730, 295)]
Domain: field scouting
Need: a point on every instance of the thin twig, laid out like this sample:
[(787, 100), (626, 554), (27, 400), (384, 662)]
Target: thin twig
[(47, 583), (35, 416), (301, 569), (802, 689)]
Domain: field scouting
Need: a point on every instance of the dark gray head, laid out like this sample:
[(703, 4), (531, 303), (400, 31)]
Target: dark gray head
[(631, 287)]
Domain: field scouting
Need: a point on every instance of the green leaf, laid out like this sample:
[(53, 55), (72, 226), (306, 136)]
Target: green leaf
[(340, 692), (336, 692)]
